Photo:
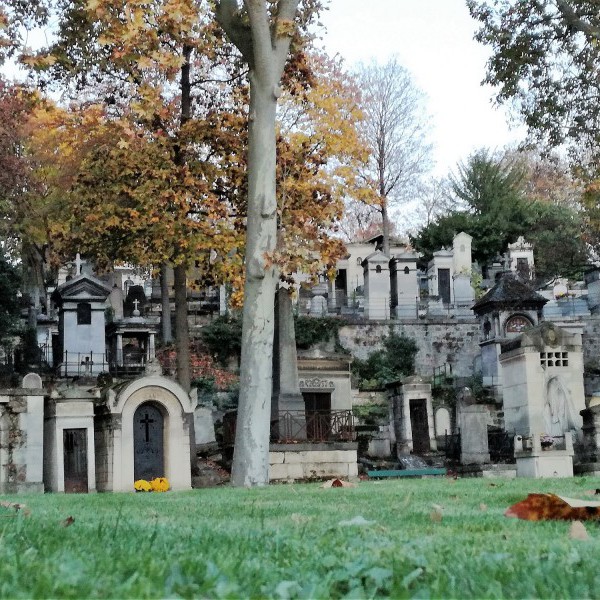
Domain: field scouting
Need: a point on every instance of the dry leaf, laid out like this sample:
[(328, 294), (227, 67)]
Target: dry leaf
[(337, 483), (436, 516), (577, 531), (483, 507), (544, 507), (68, 521), (17, 506)]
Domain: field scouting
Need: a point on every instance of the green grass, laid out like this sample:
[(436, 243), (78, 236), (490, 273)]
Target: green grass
[(286, 541)]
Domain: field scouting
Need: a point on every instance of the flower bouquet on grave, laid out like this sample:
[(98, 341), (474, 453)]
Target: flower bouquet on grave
[(141, 485), (158, 484), (546, 441)]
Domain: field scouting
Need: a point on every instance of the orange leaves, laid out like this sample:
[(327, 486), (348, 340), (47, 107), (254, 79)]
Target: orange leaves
[(543, 507)]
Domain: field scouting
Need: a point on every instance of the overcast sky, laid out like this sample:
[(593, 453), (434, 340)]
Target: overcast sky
[(433, 39)]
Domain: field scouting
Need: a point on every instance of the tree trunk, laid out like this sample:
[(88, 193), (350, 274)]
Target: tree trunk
[(165, 321), (182, 334), (251, 455), (385, 225)]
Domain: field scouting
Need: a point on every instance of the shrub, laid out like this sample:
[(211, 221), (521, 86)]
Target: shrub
[(394, 361), (314, 330), (223, 338)]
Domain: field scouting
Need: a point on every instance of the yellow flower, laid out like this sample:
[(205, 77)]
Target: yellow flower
[(160, 484), (141, 485)]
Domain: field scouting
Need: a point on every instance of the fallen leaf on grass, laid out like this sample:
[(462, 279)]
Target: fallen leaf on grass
[(358, 520), (17, 506), (483, 507), (577, 531), (545, 507), (68, 521), (337, 483), (436, 515)]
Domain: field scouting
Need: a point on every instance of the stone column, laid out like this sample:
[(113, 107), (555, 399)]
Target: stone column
[(286, 388), (120, 349), (151, 347)]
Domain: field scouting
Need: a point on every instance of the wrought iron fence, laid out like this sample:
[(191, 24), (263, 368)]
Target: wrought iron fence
[(452, 446), (501, 445), (314, 426), (79, 364), (301, 426)]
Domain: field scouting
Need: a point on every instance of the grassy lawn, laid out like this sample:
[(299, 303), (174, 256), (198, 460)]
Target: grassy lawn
[(289, 541)]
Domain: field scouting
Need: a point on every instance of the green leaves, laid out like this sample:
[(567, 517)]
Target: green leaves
[(545, 63)]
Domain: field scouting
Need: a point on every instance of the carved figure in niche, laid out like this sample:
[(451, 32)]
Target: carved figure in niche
[(559, 412)]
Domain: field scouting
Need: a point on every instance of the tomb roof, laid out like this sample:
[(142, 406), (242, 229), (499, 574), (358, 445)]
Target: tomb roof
[(509, 292)]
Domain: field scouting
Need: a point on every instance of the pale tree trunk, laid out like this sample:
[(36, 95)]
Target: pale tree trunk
[(264, 45), (251, 454), (165, 322)]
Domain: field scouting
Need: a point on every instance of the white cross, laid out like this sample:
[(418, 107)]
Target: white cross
[(135, 304), (77, 264)]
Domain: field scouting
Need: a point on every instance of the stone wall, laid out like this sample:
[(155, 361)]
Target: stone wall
[(21, 434), (440, 342)]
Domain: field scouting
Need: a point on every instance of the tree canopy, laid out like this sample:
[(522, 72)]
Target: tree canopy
[(545, 62), (495, 206)]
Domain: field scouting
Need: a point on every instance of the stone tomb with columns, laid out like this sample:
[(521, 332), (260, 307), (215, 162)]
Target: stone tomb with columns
[(142, 430), (412, 413), (543, 398), (79, 438)]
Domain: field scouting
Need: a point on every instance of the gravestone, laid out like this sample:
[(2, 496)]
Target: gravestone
[(473, 420)]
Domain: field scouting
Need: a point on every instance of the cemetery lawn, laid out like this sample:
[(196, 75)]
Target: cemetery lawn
[(286, 541)]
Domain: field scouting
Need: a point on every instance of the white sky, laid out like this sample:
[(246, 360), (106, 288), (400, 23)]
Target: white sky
[(433, 39)]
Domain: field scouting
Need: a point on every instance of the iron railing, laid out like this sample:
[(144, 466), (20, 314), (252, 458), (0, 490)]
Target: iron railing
[(501, 445), (301, 426)]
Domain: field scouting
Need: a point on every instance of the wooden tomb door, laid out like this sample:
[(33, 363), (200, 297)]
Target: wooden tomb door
[(148, 443), (420, 426), (75, 461)]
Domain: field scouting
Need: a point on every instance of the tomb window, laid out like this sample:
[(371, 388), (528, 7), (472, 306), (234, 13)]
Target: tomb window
[(84, 313), (406, 270), (359, 261), (554, 359), (378, 269)]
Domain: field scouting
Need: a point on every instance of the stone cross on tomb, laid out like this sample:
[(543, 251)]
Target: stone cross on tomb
[(136, 312), (146, 421), (78, 263)]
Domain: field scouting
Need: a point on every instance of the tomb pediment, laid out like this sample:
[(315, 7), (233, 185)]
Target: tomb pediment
[(82, 287)]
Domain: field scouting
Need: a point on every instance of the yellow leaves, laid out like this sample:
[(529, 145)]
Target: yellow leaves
[(38, 61), (92, 5), (284, 28)]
